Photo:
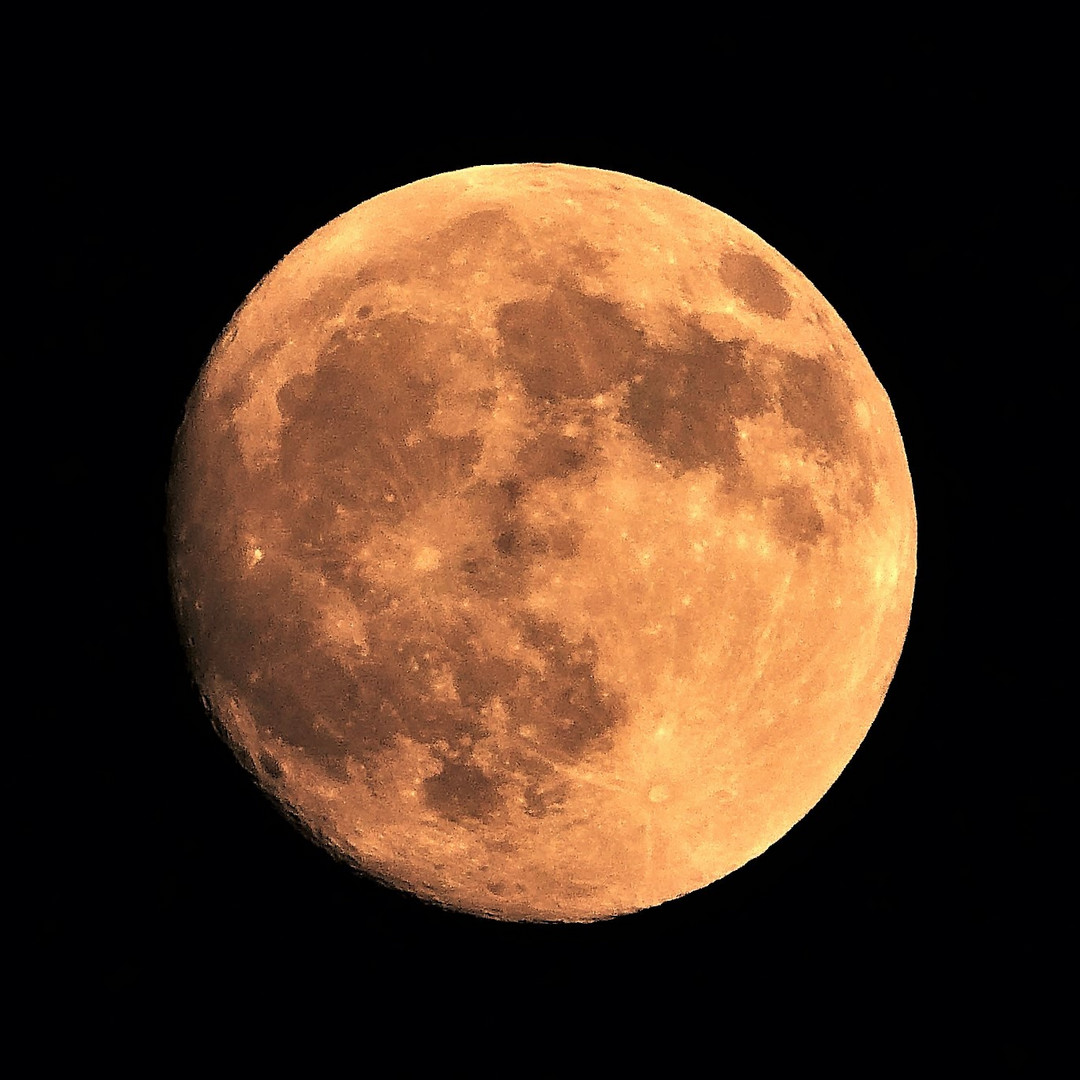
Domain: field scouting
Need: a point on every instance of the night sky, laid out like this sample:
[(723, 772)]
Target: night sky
[(924, 879)]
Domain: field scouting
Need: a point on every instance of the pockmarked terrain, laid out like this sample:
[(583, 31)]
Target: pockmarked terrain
[(542, 540)]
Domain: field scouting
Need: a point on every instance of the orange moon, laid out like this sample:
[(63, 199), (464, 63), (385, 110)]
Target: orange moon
[(541, 540)]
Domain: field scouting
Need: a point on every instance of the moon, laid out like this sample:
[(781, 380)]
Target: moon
[(541, 540)]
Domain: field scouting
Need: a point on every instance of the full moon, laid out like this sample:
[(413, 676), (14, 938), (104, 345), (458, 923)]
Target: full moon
[(541, 540)]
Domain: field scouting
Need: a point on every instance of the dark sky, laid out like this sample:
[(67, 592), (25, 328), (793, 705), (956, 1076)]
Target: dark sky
[(920, 874)]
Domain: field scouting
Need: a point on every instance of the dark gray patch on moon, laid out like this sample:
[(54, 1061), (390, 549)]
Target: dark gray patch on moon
[(270, 765), (812, 400), (686, 403), (568, 344), (252, 631), (357, 430), (551, 454), (817, 400), (477, 241), (564, 708), (460, 792), (543, 799), (756, 283), (255, 627), (796, 519)]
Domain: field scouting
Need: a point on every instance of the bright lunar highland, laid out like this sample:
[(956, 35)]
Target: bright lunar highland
[(541, 540)]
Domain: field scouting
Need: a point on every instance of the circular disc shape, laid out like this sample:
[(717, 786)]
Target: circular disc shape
[(542, 541)]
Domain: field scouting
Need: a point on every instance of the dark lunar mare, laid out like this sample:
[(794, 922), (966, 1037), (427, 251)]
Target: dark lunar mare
[(756, 283)]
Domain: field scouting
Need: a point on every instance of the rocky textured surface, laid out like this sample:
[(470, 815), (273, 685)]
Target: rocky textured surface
[(543, 540)]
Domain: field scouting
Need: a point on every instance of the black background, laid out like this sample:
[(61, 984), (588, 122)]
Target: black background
[(914, 905)]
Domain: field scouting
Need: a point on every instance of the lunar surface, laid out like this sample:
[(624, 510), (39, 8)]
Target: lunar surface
[(542, 541)]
